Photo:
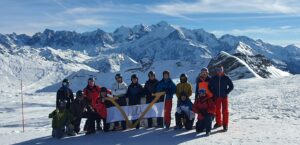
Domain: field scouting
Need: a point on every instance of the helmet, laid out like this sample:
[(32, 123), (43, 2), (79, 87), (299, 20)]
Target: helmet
[(151, 73), (103, 89), (91, 79), (185, 78), (118, 75), (204, 69), (79, 93), (183, 75), (65, 82), (166, 72), (134, 76)]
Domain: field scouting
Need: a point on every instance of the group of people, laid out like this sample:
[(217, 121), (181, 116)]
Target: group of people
[(211, 100)]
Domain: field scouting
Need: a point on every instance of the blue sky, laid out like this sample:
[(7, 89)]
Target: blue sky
[(274, 21)]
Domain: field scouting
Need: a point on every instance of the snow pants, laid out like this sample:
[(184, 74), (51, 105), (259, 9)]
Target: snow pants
[(167, 112), (222, 111)]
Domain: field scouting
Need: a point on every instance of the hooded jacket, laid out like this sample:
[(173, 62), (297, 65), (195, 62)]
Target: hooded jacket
[(168, 86), (221, 86)]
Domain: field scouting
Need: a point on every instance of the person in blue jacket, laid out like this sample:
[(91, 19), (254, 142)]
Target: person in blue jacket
[(168, 86), (184, 114)]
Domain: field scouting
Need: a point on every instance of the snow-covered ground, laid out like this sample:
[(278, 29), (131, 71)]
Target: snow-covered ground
[(262, 111)]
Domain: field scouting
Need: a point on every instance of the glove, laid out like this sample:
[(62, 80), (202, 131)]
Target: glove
[(191, 115), (203, 112), (178, 110), (168, 90)]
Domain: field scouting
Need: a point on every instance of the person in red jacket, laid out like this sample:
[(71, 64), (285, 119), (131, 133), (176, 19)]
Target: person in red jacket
[(205, 108), (91, 92), (98, 112), (100, 108)]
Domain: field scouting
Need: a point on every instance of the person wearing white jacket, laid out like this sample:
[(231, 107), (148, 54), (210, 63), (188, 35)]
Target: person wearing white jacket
[(119, 90)]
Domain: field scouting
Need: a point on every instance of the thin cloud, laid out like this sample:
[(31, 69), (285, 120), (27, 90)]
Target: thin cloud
[(180, 9), (265, 31), (90, 22), (270, 35), (59, 4), (107, 8)]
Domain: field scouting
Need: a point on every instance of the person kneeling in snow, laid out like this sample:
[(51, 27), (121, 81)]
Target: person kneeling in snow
[(61, 121), (205, 108), (184, 114), (78, 108), (100, 107), (98, 112)]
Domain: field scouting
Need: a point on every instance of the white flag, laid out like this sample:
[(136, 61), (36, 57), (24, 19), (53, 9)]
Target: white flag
[(134, 112)]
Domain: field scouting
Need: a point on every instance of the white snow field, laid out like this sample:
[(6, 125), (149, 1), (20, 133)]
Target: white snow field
[(262, 111)]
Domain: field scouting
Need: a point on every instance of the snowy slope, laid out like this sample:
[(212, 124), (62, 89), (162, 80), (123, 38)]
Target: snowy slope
[(262, 111), (38, 67)]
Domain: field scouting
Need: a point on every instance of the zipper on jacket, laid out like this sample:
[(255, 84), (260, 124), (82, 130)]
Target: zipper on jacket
[(219, 86)]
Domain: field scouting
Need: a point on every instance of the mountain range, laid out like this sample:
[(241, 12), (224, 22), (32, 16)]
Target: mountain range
[(45, 58)]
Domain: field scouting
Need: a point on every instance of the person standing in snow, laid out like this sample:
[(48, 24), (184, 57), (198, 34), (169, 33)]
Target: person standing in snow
[(205, 108), (64, 94), (184, 87), (184, 115), (91, 92), (135, 93), (221, 86), (149, 89), (119, 90), (168, 86), (202, 82)]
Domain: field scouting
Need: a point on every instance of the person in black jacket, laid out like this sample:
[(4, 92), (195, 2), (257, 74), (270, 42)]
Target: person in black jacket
[(134, 93), (78, 110), (149, 89), (221, 85), (65, 94)]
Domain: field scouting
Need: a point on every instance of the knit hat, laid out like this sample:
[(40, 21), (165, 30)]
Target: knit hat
[(134, 76), (204, 69)]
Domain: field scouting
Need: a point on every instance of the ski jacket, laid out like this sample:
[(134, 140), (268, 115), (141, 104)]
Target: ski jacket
[(150, 88), (168, 86), (119, 89), (60, 118), (134, 93), (77, 107), (185, 88), (92, 93), (101, 109), (221, 86), (204, 106), (64, 94), (203, 84), (186, 108)]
